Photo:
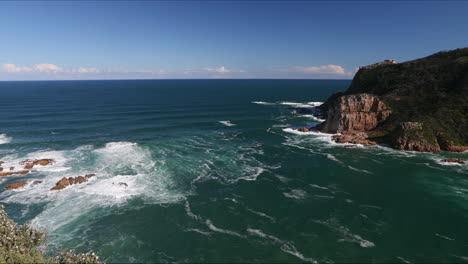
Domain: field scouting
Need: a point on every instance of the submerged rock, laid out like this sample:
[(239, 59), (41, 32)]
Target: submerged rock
[(16, 185), (1, 169), (303, 129), (36, 182)]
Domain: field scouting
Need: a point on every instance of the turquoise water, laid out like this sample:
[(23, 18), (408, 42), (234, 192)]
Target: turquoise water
[(214, 174)]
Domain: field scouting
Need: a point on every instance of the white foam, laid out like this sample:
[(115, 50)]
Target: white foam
[(300, 105), (198, 231), (4, 139), (440, 161), (261, 214), (445, 237), (313, 117), (359, 170), (286, 246), (296, 194), (315, 103), (189, 212), (348, 235), (227, 123), (219, 230), (262, 103), (115, 163), (404, 260), (318, 186)]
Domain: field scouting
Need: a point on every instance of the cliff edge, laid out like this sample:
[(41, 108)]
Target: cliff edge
[(419, 105)]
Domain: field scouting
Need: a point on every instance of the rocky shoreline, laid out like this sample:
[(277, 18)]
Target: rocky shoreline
[(417, 105)]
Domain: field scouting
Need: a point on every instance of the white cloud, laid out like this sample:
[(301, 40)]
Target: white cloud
[(42, 67), (14, 68), (86, 70), (222, 69), (46, 67), (324, 69)]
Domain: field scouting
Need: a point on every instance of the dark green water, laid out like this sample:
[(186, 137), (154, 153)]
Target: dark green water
[(201, 190)]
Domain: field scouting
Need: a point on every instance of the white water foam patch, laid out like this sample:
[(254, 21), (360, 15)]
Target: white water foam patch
[(59, 164), (348, 235), (227, 123), (4, 139), (211, 226), (285, 246), (262, 103), (302, 105), (123, 170), (261, 214), (296, 194), (313, 117)]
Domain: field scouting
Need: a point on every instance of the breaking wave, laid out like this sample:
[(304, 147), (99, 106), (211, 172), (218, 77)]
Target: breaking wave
[(227, 123), (123, 170), (4, 139)]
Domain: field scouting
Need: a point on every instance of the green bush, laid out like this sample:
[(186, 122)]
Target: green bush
[(20, 244)]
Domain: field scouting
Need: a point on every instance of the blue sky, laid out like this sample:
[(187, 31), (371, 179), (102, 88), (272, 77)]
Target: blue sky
[(220, 39)]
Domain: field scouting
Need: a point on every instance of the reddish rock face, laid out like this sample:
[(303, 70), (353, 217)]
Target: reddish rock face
[(64, 182), (57, 187), (80, 179), (71, 180), (354, 138), (28, 164), (13, 173), (355, 113), (16, 185)]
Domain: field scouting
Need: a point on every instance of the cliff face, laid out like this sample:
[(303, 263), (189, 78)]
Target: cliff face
[(419, 105), (355, 113)]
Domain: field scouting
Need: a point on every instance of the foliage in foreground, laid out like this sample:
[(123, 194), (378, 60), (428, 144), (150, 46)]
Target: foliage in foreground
[(20, 244)]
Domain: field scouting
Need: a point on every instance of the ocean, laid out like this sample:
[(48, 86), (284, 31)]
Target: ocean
[(211, 171)]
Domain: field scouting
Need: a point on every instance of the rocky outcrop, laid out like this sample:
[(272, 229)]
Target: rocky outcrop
[(16, 185), (303, 129), (29, 164), (354, 138), (13, 173), (414, 137), (418, 105), (459, 161), (354, 113), (64, 182)]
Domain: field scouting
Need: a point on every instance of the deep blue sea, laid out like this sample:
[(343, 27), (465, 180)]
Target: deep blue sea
[(211, 171)]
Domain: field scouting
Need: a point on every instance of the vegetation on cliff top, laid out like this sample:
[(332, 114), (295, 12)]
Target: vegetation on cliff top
[(20, 244), (431, 90)]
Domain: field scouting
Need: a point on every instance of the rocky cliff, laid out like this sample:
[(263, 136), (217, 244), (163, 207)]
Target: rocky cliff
[(419, 105)]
